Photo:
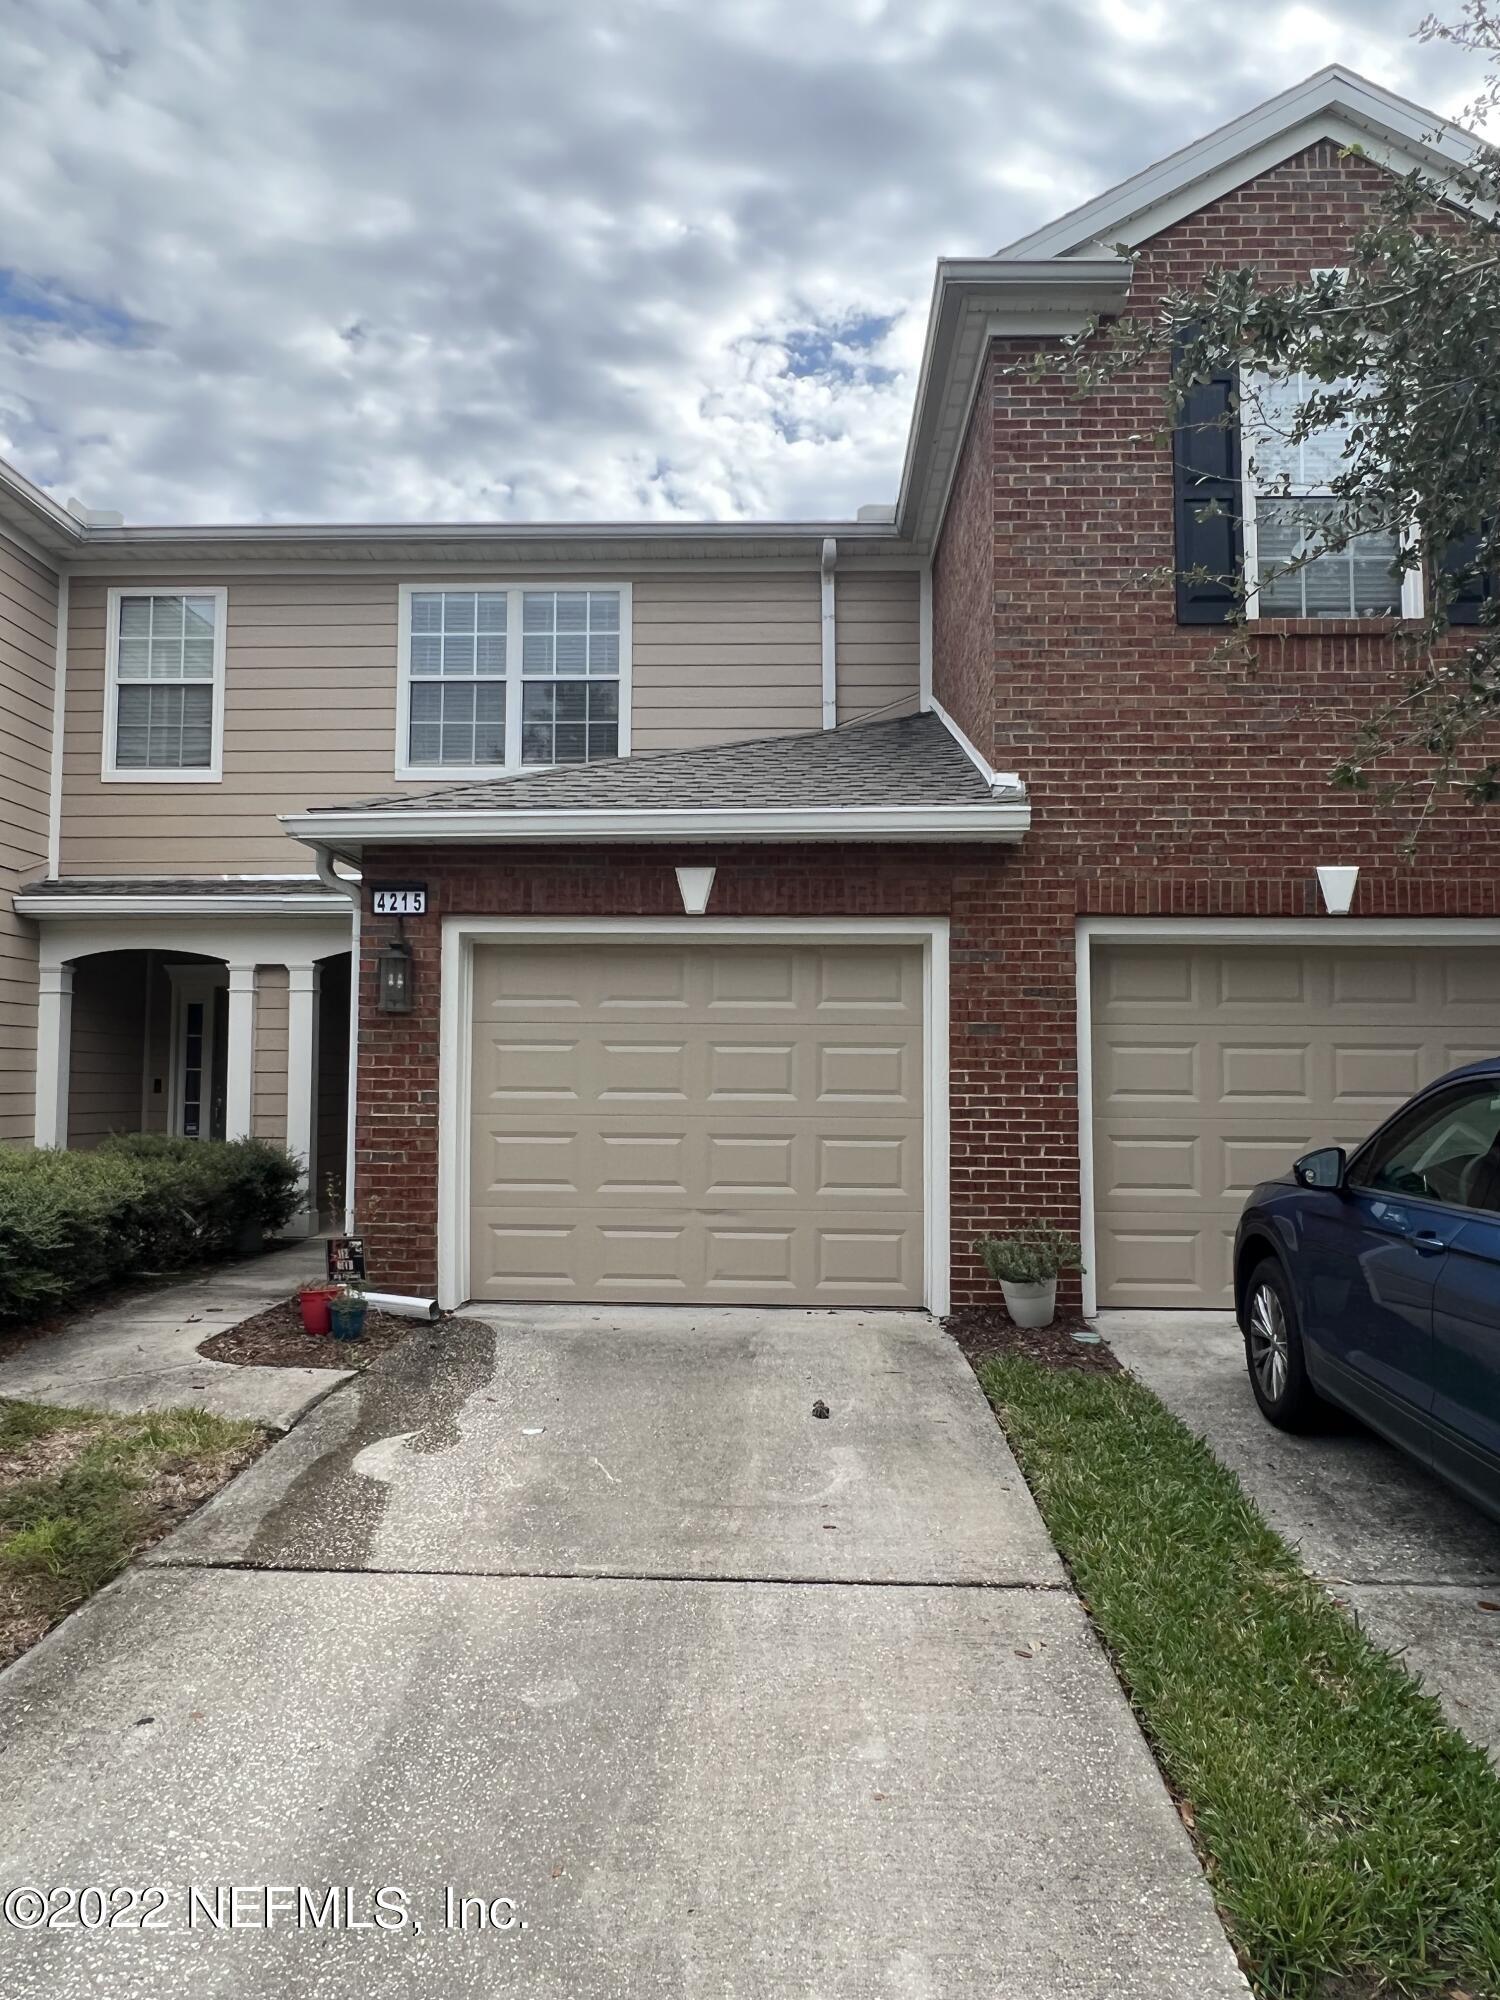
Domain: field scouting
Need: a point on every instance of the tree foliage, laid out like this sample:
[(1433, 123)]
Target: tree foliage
[(1399, 348)]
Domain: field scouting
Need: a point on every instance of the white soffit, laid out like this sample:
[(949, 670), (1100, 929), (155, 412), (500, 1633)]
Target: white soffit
[(1336, 104)]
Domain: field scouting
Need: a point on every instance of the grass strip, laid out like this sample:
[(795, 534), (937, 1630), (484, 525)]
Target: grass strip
[(1351, 1837), (82, 1492)]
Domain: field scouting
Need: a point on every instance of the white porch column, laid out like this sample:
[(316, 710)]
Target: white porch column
[(239, 1060), (54, 1053), (301, 1041)]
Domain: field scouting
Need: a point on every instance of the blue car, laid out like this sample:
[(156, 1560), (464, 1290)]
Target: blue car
[(1372, 1280)]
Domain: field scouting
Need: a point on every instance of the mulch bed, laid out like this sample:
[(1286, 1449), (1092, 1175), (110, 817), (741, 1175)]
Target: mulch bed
[(982, 1331), (276, 1338)]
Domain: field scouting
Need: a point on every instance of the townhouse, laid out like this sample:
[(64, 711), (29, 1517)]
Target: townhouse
[(754, 913)]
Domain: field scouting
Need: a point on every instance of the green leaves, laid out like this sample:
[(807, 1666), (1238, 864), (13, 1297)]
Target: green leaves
[(70, 1222), (1398, 354)]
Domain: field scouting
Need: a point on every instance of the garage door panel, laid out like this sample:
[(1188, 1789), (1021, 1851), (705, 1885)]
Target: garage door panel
[(1254, 1073), (1215, 1069), (743, 1123), (1147, 1073), (1164, 1164)]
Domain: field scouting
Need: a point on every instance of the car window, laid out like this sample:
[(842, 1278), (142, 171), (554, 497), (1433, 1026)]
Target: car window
[(1447, 1150)]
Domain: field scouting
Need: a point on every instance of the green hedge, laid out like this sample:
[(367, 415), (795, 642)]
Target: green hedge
[(136, 1205)]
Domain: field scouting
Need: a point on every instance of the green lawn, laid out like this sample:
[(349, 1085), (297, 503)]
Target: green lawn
[(1351, 1837), (81, 1492)]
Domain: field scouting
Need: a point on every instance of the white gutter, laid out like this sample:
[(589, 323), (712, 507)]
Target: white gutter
[(354, 891), (59, 719), (996, 822), (1002, 784), (830, 636), (274, 534), (45, 904)]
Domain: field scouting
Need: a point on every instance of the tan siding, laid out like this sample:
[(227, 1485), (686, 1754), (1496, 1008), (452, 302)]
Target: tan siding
[(310, 701), (309, 717), (877, 644), (28, 641), (109, 1015), (268, 1098), (720, 658)]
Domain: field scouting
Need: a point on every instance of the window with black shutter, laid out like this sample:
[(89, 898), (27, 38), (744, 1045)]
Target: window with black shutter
[(1474, 586), (1206, 471)]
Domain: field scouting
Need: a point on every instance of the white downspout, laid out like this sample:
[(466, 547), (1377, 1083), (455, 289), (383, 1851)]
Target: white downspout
[(830, 637), (59, 719), (331, 879), (924, 639)]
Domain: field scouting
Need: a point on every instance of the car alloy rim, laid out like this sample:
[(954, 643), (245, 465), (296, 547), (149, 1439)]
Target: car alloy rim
[(1268, 1341)]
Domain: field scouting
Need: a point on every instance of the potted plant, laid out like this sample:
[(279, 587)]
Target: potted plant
[(315, 1301), (347, 1311), (1025, 1265)]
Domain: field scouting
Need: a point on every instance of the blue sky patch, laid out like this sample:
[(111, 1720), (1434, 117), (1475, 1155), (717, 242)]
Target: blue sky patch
[(835, 351), (37, 302)]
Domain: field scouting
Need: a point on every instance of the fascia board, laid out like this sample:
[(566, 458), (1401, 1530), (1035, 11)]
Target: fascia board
[(176, 906), (1335, 104), (1045, 295), (998, 822)]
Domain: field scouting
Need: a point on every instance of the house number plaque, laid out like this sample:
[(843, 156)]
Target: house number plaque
[(399, 899)]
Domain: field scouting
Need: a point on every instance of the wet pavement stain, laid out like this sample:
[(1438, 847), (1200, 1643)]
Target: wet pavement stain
[(328, 1516)]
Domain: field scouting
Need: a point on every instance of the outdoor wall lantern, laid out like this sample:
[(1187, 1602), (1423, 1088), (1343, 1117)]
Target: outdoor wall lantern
[(393, 977)]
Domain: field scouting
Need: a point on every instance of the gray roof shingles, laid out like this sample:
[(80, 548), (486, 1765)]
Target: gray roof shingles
[(913, 761), (173, 885)]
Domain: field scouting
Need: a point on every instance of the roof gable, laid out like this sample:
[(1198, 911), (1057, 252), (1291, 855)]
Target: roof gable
[(1335, 104)]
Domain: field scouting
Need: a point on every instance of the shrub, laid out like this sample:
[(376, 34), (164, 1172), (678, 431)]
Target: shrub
[(1031, 1255), (137, 1205)]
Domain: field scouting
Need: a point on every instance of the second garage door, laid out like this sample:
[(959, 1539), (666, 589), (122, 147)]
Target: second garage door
[(1215, 1066), (699, 1123)]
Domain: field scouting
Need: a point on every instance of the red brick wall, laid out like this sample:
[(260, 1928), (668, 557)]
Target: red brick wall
[(1159, 785), (1009, 1047), (1159, 782)]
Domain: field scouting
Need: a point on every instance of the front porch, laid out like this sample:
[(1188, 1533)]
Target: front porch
[(215, 1027)]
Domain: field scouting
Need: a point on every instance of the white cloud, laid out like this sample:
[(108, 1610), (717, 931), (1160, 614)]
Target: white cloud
[(508, 258)]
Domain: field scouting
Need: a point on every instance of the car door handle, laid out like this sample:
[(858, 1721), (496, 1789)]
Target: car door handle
[(1428, 1241)]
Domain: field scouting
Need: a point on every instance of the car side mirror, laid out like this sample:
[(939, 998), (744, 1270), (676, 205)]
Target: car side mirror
[(1325, 1168)]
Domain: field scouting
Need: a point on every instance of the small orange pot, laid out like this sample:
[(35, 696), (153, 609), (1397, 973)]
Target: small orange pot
[(315, 1301)]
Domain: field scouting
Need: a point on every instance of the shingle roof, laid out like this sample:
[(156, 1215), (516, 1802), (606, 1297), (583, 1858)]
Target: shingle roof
[(175, 885), (914, 761)]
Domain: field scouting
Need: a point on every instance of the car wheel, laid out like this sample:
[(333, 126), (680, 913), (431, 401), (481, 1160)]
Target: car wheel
[(1273, 1351)]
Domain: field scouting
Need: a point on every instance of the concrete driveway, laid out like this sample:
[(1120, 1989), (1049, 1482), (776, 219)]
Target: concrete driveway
[(589, 1612), (1412, 1561)]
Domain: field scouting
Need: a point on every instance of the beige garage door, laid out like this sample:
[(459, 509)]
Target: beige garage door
[(700, 1122), (1215, 1067)]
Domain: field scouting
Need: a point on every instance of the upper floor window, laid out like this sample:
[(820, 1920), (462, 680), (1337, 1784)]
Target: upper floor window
[(511, 676), (164, 685), (1305, 554)]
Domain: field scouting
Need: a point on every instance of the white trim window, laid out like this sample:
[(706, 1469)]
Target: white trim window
[(497, 677), (164, 685), (1290, 508)]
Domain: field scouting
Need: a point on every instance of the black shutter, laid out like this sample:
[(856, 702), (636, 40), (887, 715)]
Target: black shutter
[(1466, 602), (1206, 470)]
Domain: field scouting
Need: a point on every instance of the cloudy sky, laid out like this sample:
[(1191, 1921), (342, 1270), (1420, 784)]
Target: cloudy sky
[(556, 259)]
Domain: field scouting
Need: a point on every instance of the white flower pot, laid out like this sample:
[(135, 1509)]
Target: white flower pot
[(1030, 1305)]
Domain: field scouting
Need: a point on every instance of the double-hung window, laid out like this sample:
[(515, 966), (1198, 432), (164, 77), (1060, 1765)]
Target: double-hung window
[(164, 685), (1291, 510), (510, 677)]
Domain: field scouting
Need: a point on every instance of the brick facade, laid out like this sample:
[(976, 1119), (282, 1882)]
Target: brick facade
[(398, 1093), (1160, 783)]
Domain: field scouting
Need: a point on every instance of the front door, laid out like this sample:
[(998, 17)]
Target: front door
[(196, 1105)]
